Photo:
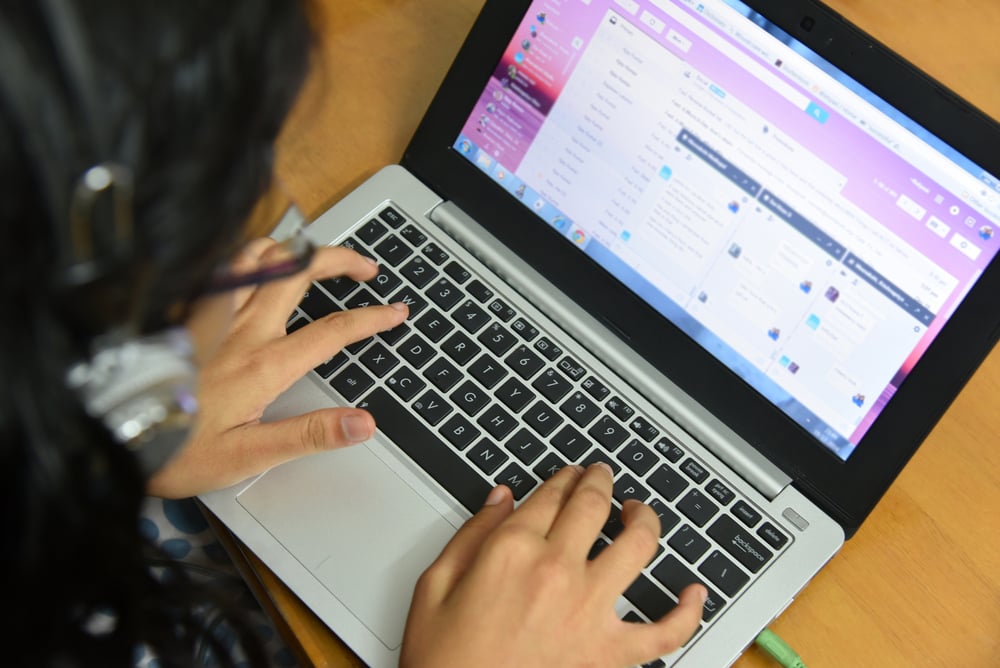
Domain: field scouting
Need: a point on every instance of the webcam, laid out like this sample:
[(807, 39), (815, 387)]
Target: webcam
[(807, 23)]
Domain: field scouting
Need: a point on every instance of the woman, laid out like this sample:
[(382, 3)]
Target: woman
[(135, 138)]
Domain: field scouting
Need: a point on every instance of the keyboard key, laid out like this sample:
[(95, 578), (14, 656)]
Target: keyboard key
[(419, 271), (499, 308), (614, 525), (772, 536), (357, 247), (488, 456), (470, 398), (517, 479), (384, 282), (552, 385), (669, 449), (609, 433), (339, 286), (372, 231), (392, 217), (697, 507), (688, 543), (637, 457), (459, 273), (431, 407), (470, 317), (549, 350), (488, 371), (723, 573), (460, 348), (571, 368), (542, 418), (413, 235), (416, 351), (597, 456), (649, 598), (352, 382), (327, 368), (571, 443), (411, 298), (644, 429), (525, 446), (720, 492), (675, 576), (396, 334), (442, 374), (405, 383), (356, 347), (620, 409), (459, 431), (524, 362), (379, 360), (435, 254), (527, 331), (739, 543), (580, 409), (694, 470), (316, 304), (668, 518), (514, 395), (668, 482), (363, 298), (497, 338), (479, 291), (427, 450), (434, 326), (627, 487), (596, 388), (393, 250), (744, 513), (497, 422), (445, 294), (549, 465)]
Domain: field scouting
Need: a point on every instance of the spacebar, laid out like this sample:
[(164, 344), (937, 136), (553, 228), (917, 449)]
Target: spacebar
[(428, 450)]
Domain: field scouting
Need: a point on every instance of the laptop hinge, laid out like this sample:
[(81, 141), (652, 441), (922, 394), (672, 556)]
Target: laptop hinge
[(690, 416)]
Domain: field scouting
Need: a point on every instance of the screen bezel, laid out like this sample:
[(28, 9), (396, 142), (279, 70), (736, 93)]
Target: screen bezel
[(849, 490)]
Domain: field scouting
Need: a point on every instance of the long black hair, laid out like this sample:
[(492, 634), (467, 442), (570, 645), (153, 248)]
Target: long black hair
[(189, 97)]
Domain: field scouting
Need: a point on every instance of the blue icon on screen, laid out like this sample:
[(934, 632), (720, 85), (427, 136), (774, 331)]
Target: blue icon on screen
[(817, 112), (666, 173)]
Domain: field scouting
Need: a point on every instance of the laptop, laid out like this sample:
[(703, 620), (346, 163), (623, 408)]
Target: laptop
[(738, 250)]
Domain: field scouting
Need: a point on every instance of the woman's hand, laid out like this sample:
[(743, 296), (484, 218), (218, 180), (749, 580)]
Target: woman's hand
[(515, 588), (247, 360)]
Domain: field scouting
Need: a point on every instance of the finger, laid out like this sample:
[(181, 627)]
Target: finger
[(460, 552), (647, 641), (585, 512), (540, 509), (617, 566)]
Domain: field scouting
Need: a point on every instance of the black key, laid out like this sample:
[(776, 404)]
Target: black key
[(552, 385), (644, 429), (675, 576), (393, 250), (419, 271), (459, 431), (595, 550), (524, 362), (620, 409), (614, 525), (384, 282), (723, 573), (637, 457), (362, 299), (542, 418), (478, 290), (372, 231), (549, 350), (431, 407), (596, 388), (470, 398), (316, 304), (525, 329), (772, 536), (525, 446), (720, 492), (445, 294), (597, 456), (458, 272), (379, 360), (460, 348), (549, 465), (514, 395), (393, 217), (517, 479), (668, 518), (326, 369), (416, 351), (396, 334), (609, 433), (411, 298), (497, 422), (470, 317), (435, 254), (499, 308), (739, 543), (356, 347), (627, 487), (434, 326), (352, 382), (688, 543), (339, 286), (649, 598), (668, 482), (488, 456), (697, 507), (497, 338), (571, 443), (669, 449), (405, 383), (413, 235), (487, 371), (357, 247), (571, 368), (443, 374), (694, 470), (744, 513), (581, 410)]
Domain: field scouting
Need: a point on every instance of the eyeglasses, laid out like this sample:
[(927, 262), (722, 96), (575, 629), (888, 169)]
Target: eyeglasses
[(290, 257)]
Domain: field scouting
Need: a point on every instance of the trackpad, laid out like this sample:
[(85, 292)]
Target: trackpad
[(354, 524)]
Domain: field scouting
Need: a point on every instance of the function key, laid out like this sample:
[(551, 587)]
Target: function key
[(643, 429), (457, 272), (772, 536), (620, 409), (669, 449), (501, 310), (435, 254), (372, 231), (478, 290), (550, 350), (720, 492), (744, 513), (694, 470), (392, 217), (596, 388), (413, 235), (571, 368), (525, 329)]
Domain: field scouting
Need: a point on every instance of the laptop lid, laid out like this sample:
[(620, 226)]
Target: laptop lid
[(782, 216)]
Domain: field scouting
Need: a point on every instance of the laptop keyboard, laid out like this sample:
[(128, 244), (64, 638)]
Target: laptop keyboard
[(477, 395)]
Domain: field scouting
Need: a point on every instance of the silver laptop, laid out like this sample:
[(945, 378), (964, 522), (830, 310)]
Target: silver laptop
[(737, 251)]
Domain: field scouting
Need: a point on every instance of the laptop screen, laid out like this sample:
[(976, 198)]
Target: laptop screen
[(805, 233)]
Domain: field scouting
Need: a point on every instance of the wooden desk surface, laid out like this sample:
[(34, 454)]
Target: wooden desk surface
[(919, 585)]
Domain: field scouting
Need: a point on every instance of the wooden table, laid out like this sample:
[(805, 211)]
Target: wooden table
[(919, 585)]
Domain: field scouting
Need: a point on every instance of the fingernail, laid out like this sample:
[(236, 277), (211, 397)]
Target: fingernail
[(495, 497), (399, 306), (370, 260), (606, 467), (703, 595), (356, 428)]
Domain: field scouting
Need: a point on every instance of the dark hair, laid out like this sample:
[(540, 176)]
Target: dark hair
[(188, 96)]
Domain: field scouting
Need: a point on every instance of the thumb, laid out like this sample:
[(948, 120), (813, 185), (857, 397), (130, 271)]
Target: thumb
[(326, 429)]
